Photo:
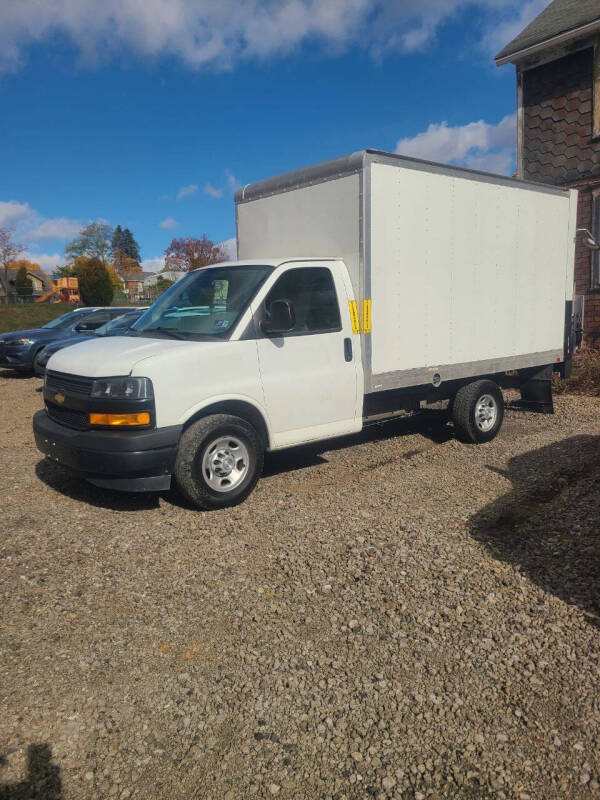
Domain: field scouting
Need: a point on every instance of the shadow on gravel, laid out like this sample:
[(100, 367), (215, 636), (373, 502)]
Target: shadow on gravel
[(15, 373), (432, 425), (77, 488), (549, 524), (43, 777)]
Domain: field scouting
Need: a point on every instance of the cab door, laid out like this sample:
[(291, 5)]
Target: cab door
[(310, 373)]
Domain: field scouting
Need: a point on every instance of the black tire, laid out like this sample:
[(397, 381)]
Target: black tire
[(464, 408), (196, 440)]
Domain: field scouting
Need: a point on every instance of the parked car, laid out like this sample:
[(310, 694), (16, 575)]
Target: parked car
[(420, 283), (18, 349), (116, 327)]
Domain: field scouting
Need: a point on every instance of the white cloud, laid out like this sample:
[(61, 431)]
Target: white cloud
[(187, 191), (168, 224), (47, 261), (207, 33), (212, 191), (231, 184), (153, 264), (497, 36), (230, 247), (11, 212), (61, 228), (479, 145), (232, 181)]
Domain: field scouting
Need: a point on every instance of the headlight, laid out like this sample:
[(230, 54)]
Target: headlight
[(23, 341), (123, 388)]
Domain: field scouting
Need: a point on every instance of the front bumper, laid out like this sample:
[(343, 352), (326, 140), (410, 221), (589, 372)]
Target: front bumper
[(17, 357), (134, 461)]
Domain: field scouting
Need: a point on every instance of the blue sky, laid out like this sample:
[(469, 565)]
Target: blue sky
[(149, 115)]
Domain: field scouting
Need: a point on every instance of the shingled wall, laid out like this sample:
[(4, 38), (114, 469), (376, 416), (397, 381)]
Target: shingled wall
[(558, 148)]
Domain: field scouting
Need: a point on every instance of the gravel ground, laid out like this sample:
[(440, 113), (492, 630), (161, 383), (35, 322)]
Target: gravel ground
[(399, 616)]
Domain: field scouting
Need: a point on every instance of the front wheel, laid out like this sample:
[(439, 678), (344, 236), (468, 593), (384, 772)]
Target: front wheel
[(219, 461), (478, 411)]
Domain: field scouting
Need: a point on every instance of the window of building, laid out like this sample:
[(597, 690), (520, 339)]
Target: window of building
[(312, 294)]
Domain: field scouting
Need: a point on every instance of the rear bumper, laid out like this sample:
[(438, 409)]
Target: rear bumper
[(127, 460)]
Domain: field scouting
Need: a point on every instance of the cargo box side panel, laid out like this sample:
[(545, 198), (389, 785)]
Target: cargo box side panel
[(322, 220), (467, 276)]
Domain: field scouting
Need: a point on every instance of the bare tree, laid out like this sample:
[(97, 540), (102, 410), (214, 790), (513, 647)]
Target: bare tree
[(9, 252)]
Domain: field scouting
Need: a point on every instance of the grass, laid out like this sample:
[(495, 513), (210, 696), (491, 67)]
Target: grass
[(586, 375), (20, 317)]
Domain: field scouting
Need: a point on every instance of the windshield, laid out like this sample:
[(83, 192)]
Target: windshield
[(121, 323), (65, 320), (207, 302)]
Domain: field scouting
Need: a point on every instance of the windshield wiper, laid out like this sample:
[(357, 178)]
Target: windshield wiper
[(175, 334)]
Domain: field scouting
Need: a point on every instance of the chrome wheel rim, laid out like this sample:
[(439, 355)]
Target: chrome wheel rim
[(225, 463), (486, 413)]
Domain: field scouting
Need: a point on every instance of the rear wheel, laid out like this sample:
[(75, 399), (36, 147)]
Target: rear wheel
[(478, 411), (219, 461)]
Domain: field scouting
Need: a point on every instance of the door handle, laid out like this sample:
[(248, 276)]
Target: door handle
[(348, 349)]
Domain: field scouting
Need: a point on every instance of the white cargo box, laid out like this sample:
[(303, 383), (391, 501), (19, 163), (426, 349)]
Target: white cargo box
[(466, 273)]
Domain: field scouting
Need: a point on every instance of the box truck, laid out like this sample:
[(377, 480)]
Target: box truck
[(366, 286)]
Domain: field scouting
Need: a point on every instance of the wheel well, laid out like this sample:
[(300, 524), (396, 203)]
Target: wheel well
[(237, 408)]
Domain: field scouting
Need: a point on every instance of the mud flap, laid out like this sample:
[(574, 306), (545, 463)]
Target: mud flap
[(536, 389)]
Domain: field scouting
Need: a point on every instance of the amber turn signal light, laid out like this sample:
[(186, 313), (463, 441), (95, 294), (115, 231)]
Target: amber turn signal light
[(120, 420)]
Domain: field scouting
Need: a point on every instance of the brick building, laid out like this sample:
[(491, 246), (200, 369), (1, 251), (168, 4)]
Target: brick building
[(557, 58)]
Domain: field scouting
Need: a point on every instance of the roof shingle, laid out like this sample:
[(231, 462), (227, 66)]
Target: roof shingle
[(561, 16)]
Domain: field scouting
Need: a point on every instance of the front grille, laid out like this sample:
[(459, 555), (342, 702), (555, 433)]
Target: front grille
[(68, 416), (69, 384)]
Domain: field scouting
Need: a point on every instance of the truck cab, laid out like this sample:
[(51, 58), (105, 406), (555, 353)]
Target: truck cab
[(233, 360)]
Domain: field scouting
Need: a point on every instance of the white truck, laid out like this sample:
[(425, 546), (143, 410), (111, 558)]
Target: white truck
[(365, 286)]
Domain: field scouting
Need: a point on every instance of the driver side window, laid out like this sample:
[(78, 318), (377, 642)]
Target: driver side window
[(93, 321), (311, 292)]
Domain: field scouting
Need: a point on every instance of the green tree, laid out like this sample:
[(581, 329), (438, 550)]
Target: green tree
[(129, 245), (117, 240), (95, 285), (23, 283), (92, 241), (124, 245), (66, 271), (9, 251)]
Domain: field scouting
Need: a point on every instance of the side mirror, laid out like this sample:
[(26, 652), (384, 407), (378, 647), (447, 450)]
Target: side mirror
[(281, 319)]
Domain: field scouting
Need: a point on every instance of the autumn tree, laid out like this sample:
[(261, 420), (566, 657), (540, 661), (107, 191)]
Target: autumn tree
[(95, 286), (92, 241), (185, 255), (23, 283), (9, 251), (124, 263)]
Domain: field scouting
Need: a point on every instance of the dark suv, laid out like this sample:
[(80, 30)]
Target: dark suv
[(116, 327), (18, 349)]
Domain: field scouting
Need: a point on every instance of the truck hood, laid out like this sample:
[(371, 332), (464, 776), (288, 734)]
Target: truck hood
[(109, 356)]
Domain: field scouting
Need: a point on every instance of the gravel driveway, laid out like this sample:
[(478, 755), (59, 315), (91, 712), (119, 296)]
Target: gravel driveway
[(398, 616)]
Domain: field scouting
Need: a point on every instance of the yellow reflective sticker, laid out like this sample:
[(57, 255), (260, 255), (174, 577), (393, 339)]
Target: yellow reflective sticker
[(354, 316), (366, 316)]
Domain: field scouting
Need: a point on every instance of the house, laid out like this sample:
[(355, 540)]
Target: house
[(39, 281), (557, 59), (135, 283), (168, 275)]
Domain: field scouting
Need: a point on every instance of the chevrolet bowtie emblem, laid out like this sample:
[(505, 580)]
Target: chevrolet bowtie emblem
[(59, 398)]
